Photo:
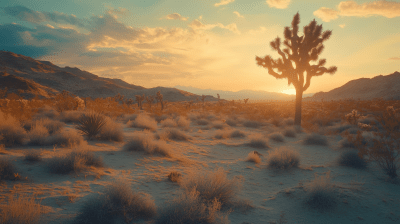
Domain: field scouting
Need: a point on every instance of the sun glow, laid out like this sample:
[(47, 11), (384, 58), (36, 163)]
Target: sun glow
[(289, 91)]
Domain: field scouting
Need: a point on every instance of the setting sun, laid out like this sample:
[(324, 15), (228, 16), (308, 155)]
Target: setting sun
[(289, 91)]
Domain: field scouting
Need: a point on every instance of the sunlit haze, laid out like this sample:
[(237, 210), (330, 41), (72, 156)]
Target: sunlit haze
[(208, 44)]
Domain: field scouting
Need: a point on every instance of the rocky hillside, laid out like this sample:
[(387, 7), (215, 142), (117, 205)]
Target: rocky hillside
[(30, 77)]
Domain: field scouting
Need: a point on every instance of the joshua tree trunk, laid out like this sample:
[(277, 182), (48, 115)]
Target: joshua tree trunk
[(297, 115)]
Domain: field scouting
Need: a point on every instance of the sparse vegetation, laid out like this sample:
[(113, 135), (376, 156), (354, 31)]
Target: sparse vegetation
[(254, 157), (144, 142), (7, 170), (143, 121), (90, 124), (75, 161), (276, 137), (321, 195), (33, 156), (174, 176), (111, 131), (283, 158), (315, 139), (258, 142), (20, 209)]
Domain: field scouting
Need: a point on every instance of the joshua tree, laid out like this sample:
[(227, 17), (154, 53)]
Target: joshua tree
[(159, 98), (139, 100), (149, 100), (245, 100), (300, 51)]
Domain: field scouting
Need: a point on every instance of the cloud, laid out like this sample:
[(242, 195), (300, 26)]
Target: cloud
[(342, 25), (326, 14), (238, 14), (223, 2), (394, 58), (116, 13), (197, 25), (176, 16), (387, 9), (279, 4), (29, 15)]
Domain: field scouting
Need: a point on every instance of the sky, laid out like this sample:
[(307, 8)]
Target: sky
[(207, 44)]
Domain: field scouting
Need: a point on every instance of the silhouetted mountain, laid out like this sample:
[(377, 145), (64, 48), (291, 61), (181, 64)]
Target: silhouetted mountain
[(386, 87), (242, 94), (30, 77)]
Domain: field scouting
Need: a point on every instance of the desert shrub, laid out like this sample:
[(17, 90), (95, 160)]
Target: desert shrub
[(75, 161), (189, 208), (202, 122), (183, 122), (144, 142), (253, 156), (129, 117), (20, 210), (283, 158), (352, 159), (143, 121), (174, 176), (52, 126), (46, 112), (7, 170), (218, 125), (66, 138), (288, 121), (33, 156), (289, 132), (229, 134), (315, 139), (118, 202), (213, 186), (237, 134), (168, 123), (111, 131), (258, 141), (11, 130), (38, 134), (277, 137), (90, 124), (70, 116), (231, 122), (174, 134), (353, 117), (251, 124), (345, 143), (321, 195)]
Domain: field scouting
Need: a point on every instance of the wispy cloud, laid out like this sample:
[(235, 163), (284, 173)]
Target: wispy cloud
[(116, 13), (197, 25), (176, 16), (279, 4), (394, 58), (387, 9), (238, 14), (342, 25), (223, 2)]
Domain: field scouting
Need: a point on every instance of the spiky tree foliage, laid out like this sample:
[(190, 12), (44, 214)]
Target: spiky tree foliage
[(300, 50), (150, 100), (90, 124), (139, 100), (159, 98)]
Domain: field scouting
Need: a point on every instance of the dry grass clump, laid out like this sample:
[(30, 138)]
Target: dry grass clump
[(202, 122), (66, 138), (11, 130), (145, 142), (118, 204), (189, 208), (289, 132), (315, 139), (90, 124), (174, 134), (213, 186), (183, 122), (52, 126), (321, 195), (38, 134), (219, 125), (143, 121), (277, 137), (254, 157), (8, 170), (283, 158), (252, 124), (174, 176), (71, 116), (258, 141), (20, 210), (229, 134), (288, 121), (231, 122), (75, 161), (352, 159), (169, 122), (111, 131), (46, 112), (33, 156)]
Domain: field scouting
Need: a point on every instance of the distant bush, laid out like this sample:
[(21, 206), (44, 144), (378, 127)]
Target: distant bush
[(288, 121), (189, 208), (202, 122), (168, 123), (253, 156), (174, 134), (119, 202), (283, 158), (111, 131), (320, 193), (258, 142), (315, 139), (33, 156), (143, 121), (66, 138), (218, 125), (7, 170), (174, 176), (183, 122), (38, 134), (276, 137), (11, 130), (144, 142), (20, 210), (90, 124), (229, 134), (71, 116), (352, 159), (75, 161), (289, 132), (231, 122), (251, 124)]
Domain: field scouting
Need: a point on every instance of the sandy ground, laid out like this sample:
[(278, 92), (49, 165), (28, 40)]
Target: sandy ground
[(364, 196)]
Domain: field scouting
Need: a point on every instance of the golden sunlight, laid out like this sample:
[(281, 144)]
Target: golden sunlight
[(289, 91)]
